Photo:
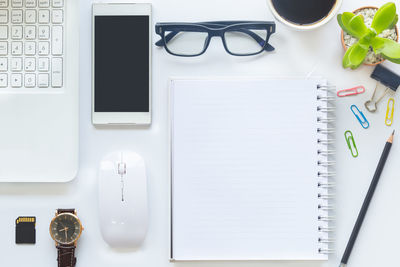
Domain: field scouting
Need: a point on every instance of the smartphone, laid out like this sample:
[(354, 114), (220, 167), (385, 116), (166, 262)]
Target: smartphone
[(121, 64)]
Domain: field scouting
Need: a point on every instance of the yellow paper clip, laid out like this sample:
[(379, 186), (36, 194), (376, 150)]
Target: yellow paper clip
[(390, 109)]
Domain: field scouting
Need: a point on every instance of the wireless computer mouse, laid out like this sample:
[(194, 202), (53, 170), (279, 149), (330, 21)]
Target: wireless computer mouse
[(123, 199)]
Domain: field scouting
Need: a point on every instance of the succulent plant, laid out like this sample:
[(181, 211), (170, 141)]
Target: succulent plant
[(385, 18)]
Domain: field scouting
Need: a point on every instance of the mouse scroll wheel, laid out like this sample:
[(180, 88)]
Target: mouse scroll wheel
[(121, 168)]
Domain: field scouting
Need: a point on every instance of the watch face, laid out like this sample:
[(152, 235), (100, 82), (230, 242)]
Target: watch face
[(65, 228)]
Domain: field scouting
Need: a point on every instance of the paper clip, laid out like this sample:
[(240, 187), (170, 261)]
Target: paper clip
[(364, 122), (351, 91), (390, 108), (371, 105), (351, 143)]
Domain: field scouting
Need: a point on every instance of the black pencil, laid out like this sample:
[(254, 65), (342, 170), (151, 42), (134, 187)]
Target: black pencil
[(366, 202)]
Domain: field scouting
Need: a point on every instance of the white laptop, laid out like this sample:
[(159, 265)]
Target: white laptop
[(39, 100)]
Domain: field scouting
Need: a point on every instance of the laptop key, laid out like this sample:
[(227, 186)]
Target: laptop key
[(16, 64), (43, 80), (30, 16), (3, 80), (44, 16), (30, 80), (30, 48), (58, 3), (57, 72), (30, 32), (16, 32), (16, 3), (16, 48), (3, 32), (3, 48), (30, 64), (57, 40), (44, 32), (30, 3), (43, 64), (3, 3), (3, 16), (16, 80), (3, 64), (16, 16), (57, 16)]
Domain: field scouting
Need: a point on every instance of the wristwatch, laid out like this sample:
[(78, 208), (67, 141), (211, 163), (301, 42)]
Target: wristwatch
[(65, 229)]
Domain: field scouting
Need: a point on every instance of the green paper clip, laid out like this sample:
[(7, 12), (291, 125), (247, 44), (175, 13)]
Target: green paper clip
[(350, 139)]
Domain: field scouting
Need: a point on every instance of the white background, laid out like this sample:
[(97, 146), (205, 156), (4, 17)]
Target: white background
[(297, 54)]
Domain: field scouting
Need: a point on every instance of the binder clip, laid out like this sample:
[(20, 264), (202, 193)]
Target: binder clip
[(386, 77), (364, 122), (351, 143), (351, 91), (389, 110)]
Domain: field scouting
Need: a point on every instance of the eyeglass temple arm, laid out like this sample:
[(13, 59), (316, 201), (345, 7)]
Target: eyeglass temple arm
[(257, 38)]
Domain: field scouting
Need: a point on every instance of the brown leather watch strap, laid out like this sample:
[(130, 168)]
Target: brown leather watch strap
[(66, 211), (66, 255)]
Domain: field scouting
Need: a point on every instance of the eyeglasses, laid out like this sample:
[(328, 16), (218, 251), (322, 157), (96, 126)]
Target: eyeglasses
[(240, 38)]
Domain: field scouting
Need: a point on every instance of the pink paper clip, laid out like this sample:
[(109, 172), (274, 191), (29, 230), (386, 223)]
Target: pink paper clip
[(351, 91)]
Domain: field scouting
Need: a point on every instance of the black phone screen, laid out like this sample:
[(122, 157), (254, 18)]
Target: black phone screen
[(121, 64)]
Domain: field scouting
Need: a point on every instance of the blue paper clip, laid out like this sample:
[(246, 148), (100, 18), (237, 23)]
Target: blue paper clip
[(364, 122)]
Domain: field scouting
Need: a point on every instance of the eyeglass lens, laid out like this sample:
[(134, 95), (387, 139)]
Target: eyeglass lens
[(245, 41), (186, 42)]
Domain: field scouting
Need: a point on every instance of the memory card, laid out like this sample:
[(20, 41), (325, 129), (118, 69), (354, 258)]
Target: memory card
[(25, 230)]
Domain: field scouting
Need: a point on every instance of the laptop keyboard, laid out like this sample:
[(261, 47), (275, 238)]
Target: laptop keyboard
[(31, 43)]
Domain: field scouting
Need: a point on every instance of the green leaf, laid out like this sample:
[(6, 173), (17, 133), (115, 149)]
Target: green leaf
[(346, 60), (396, 19), (357, 56), (377, 43), (356, 24), (343, 20), (354, 56), (386, 47), (394, 60), (384, 17), (367, 39)]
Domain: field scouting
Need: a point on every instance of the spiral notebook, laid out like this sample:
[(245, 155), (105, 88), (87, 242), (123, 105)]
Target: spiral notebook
[(250, 168)]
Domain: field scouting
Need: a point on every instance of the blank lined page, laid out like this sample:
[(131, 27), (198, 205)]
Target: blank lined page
[(244, 169)]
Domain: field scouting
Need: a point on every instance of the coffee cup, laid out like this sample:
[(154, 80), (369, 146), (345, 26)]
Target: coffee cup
[(304, 14)]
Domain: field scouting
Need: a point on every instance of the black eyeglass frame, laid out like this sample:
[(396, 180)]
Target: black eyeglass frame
[(216, 29)]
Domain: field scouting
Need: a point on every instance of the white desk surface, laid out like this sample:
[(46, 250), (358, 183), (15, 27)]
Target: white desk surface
[(297, 54)]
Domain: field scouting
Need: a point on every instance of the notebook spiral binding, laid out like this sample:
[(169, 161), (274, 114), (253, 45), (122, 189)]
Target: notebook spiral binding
[(325, 139)]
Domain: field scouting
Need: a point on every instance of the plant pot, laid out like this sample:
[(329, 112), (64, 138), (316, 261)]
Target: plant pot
[(342, 34)]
